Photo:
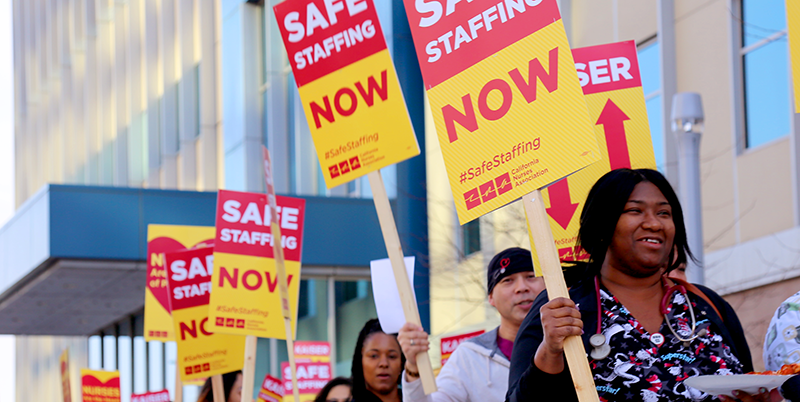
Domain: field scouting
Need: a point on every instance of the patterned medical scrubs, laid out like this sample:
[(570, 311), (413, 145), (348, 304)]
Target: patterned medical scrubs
[(638, 369), (782, 344)]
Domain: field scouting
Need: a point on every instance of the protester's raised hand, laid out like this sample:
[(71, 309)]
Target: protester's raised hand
[(560, 319), (763, 396), (413, 340)]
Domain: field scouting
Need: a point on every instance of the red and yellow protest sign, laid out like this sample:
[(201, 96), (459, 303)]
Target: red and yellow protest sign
[(66, 390), (312, 351), (793, 27), (612, 84), (311, 378), (450, 343), (507, 106), (271, 390), (245, 298), (201, 353), (100, 386), (160, 396), (158, 324), (348, 86)]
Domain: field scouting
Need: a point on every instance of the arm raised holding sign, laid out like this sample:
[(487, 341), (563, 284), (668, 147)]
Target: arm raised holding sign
[(645, 334), (478, 368)]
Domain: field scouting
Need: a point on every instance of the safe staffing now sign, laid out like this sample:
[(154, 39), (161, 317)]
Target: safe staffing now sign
[(245, 299), (609, 75), (201, 352), (507, 106), (161, 239), (348, 86)]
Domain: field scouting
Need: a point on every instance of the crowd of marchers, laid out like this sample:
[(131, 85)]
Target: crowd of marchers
[(646, 330)]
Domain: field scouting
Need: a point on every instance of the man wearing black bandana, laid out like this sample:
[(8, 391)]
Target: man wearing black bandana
[(478, 369)]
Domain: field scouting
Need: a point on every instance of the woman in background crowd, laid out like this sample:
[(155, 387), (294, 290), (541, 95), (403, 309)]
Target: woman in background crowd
[(377, 364), (231, 382), (339, 389)]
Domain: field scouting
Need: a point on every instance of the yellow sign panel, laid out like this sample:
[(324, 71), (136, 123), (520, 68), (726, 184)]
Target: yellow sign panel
[(201, 353), (611, 81), (507, 106), (348, 86), (793, 24), (100, 386), (245, 297), (246, 300), (161, 239)]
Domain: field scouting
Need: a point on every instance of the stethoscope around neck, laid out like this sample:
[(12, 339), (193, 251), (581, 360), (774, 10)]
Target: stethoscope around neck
[(600, 346)]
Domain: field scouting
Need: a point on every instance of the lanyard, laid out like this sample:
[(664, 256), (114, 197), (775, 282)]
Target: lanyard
[(600, 347)]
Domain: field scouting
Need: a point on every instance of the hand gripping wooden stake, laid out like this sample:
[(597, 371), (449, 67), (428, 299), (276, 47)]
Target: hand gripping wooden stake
[(395, 251), (542, 238)]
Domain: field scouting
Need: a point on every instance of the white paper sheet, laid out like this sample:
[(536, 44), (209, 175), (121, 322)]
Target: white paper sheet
[(387, 298)]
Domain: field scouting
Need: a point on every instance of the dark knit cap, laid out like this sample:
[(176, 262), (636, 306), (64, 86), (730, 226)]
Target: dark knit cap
[(508, 262)]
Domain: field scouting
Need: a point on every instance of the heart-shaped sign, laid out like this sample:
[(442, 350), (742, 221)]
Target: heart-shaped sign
[(156, 271)]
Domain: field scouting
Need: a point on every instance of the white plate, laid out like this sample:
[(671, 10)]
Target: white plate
[(726, 384)]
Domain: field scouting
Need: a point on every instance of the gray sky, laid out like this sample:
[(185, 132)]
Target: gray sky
[(6, 172)]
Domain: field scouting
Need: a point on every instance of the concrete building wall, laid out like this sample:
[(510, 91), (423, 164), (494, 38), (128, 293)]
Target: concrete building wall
[(109, 93), (113, 96)]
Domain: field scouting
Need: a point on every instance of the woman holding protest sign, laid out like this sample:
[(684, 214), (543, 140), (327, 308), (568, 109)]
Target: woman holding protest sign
[(377, 364), (645, 333)]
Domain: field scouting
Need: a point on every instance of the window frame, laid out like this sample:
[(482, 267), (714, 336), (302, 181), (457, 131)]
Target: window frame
[(738, 53)]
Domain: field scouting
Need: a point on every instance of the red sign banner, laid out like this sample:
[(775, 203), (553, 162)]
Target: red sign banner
[(312, 351), (450, 343), (454, 38), (323, 36), (243, 221), (271, 390), (160, 396), (311, 377), (189, 277), (607, 67)]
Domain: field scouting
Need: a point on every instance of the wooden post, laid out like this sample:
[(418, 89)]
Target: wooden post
[(178, 384), (395, 251), (218, 388), (542, 238), (249, 369), (280, 265)]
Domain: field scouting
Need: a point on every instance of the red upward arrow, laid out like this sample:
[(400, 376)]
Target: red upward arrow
[(561, 207), (613, 121)]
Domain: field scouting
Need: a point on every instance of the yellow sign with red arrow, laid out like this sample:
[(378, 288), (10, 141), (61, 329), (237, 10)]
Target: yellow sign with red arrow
[(612, 85)]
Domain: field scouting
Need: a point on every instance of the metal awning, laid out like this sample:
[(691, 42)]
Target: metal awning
[(72, 259)]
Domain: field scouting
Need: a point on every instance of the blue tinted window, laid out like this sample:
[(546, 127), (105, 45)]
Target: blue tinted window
[(766, 91), (655, 118), (650, 67), (765, 71), (762, 18), (471, 232)]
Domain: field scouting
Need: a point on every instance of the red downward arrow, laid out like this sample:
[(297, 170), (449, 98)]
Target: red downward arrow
[(613, 121), (561, 206)]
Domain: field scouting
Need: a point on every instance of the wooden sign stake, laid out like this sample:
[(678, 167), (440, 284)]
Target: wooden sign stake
[(280, 264), (218, 388), (395, 251), (249, 369), (178, 384), (542, 238)]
